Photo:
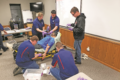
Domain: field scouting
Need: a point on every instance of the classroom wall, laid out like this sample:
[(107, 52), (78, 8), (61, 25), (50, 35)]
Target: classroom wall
[(48, 6), (5, 13), (102, 50)]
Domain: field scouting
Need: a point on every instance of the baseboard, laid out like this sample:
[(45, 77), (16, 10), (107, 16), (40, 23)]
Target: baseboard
[(105, 64)]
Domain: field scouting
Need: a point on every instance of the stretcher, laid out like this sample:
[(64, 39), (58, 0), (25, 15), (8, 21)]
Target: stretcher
[(51, 52)]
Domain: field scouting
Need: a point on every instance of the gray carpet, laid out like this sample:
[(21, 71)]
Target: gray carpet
[(92, 68)]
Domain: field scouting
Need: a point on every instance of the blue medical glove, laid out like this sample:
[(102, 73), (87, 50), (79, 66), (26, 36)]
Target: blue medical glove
[(71, 28), (44, 33), (50, 32), (68, 24), (1, 28)]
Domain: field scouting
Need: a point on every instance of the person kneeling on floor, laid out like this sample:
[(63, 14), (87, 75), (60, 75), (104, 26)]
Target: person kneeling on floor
[(65, 60), (25, 56)]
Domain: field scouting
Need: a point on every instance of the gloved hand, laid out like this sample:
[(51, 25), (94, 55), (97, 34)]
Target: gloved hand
[(68, 24), (39, 55), (44, 33), (71, 28), (50, 32)]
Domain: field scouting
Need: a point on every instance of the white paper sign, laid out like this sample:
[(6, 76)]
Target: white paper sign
[(27, 15)]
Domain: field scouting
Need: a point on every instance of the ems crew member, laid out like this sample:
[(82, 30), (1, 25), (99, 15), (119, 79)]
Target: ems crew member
[(38, 26), (54, 22), (65, 60), (26, 55)]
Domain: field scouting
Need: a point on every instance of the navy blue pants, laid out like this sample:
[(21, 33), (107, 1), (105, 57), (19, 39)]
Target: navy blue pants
[(1, 42), (77, 46), (56, 73), (38, 35)]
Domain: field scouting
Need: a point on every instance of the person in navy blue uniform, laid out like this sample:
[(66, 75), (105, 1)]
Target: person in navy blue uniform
[(38, 26), (26, 55), (65, 60), (1, 40), (54, 22)]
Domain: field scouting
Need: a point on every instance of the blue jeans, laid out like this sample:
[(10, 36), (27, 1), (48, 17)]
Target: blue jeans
[(34, 65), (1, 42), (77, 46), (56, 73)]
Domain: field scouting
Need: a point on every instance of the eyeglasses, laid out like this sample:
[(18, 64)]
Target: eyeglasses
[(73, 14)]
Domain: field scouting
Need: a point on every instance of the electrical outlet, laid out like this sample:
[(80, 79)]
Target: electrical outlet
[(88, 48)]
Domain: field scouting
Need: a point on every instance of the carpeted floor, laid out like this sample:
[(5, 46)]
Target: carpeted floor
[(92, 68)]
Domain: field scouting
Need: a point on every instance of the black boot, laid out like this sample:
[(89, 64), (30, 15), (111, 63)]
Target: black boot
[(77, 62), (0, 53), (5, 49)]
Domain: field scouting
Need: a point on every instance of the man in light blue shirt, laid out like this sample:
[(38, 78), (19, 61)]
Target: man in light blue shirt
[(46, 43)]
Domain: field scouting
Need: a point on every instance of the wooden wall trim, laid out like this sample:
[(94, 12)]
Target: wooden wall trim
[(105, 64), (102, 50)]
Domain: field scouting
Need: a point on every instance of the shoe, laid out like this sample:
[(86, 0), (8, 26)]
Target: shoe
[(18, 71), (15, 69), (77, 62), (75, 57), (5, 49), (0, 53)]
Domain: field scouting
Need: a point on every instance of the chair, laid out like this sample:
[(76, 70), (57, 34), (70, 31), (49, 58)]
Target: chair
[(7, 35)]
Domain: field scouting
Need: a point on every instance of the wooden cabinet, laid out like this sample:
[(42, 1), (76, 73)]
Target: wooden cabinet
[(30, 25)]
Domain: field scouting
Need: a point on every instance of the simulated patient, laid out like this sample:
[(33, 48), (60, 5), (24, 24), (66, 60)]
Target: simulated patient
[(46, 43)]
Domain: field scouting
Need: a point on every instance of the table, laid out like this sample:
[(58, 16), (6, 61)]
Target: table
[(17, 31)]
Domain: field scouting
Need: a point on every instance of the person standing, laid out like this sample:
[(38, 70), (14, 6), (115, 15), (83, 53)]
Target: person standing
[(54, 22), (1, 40), (38, 26), (78, 32)]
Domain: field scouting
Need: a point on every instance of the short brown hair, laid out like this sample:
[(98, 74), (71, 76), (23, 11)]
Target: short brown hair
[(54, 33), (74, 9), (59, 45), (34, 38)]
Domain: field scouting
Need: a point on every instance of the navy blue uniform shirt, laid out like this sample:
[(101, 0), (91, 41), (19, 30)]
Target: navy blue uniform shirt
[(37, 24), (1, 28), (66, 63), (54, 22), (25, 54)]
